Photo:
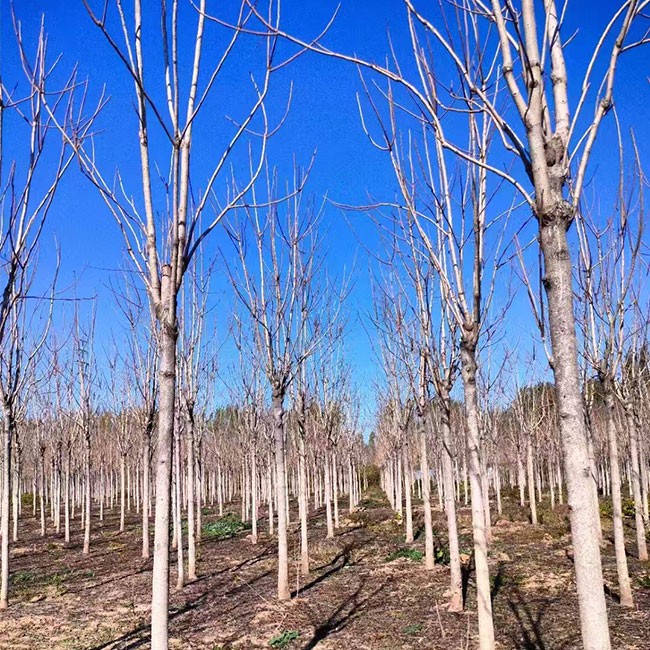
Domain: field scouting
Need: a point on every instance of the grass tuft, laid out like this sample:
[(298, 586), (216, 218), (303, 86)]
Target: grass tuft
[(227, 526), (283, 639), (408, 553)]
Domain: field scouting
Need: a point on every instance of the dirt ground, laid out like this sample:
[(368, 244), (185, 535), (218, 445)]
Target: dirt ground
[(366, 590)]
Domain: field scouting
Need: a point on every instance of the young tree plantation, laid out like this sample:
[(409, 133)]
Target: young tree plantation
[(324, 325)]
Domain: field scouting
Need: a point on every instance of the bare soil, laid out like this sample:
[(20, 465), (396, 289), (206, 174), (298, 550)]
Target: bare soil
[(357, 597)]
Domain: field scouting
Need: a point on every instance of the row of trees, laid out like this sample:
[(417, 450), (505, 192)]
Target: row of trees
[(209, 470), (480, 129)]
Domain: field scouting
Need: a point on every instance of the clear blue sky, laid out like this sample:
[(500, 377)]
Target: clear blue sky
[(323, 116)]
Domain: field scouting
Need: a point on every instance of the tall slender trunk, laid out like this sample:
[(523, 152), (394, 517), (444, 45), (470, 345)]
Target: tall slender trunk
[(42, 489), (483, 595), (398, 483), (7, 430), (642, 548), (178, 512), (429, 559), (15, 504), (328, 496), (167, 393), (352, 499), (191, 527), (624, 586), (521, 481), (199, 490), (335, 489), (485, 483), (497, 489), (66, 496), (145, 493), (122, 491), (128, 488), (456, 577), (531, 479), (269, 488), (87, 494), (594, 475), (644, 474), (580, 488), (407, 493), (281, 488), (102, 491), (254, 494), (220, 490)]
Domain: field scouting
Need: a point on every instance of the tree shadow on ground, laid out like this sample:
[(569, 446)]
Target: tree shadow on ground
[(350, 608), (530, 620), (140, 634), (338, 562)]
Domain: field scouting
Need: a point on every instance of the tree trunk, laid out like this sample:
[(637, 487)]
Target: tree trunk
[(145, 494), (220, 490), (594, 477), (531, 480), (7, 430), (42, 489), (352, 487), (304, 504), (281, 488), (67, 496), (253, 495), (101, 493), (456, 578), (269, 478), (407, 492), (429, 559), (580, 487), (641, 545), (122, 491), (199, 491), (521, 481), (16, 496), (191, 528), (497, 489), (178, 512), (483, 595), (624, 586), (87, 494), (328, 496), (335, 490), (167, 394)]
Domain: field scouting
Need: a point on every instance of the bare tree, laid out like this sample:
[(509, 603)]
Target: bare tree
[(609, 257), (439, 366), (192, 361), (28, 186), (630, 390), (162, 248), (275, 285), (554, 147), (450, 225), (139, 359), (84, 396)]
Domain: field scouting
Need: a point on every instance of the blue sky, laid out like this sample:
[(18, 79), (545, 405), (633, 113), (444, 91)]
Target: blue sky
[(323, 117)]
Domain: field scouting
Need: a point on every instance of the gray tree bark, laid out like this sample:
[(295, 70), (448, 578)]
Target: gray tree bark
[(641, 545), (580, 487), (281, 489), (456, 578), (483, 592), (167, 394)]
